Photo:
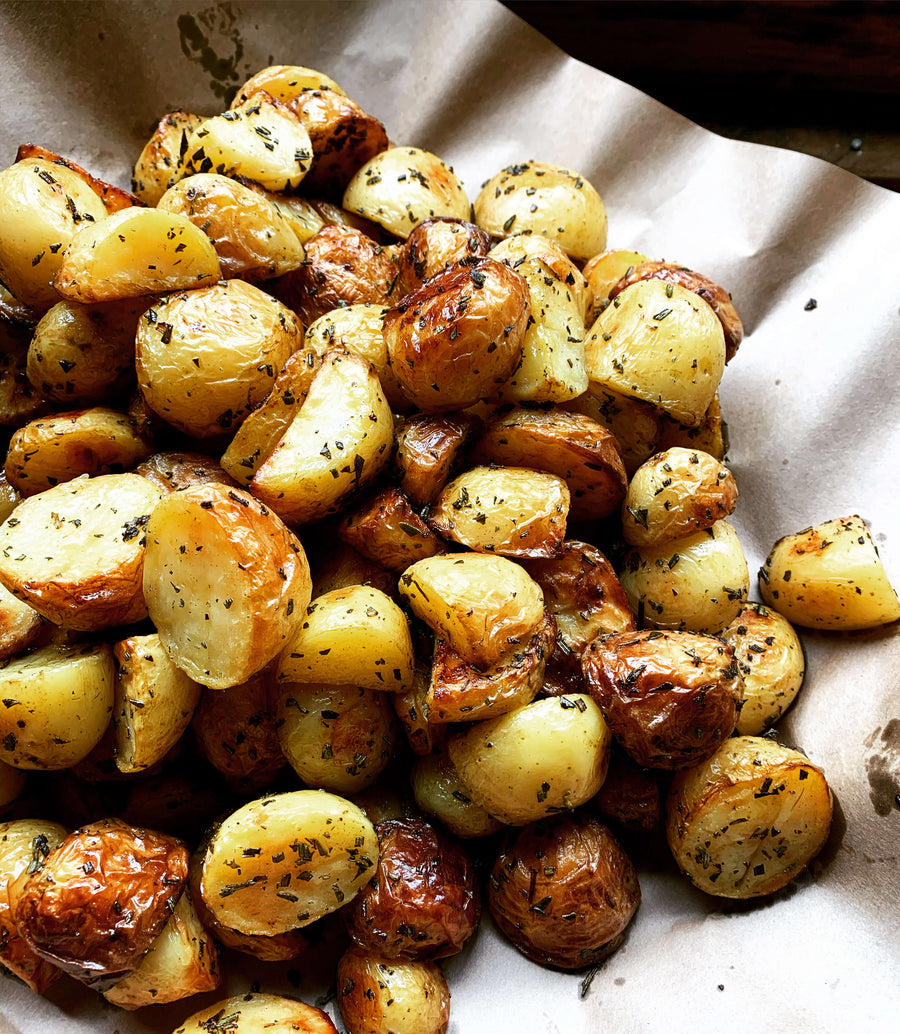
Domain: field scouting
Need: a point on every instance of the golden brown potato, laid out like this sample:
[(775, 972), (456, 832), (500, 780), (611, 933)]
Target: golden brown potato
[(636, 425), (570, 445), (20, 625), (457, 338), (161, 162), (252, 1013), (391, 996), (563, 891), (172, 471), (422, 901), (389, 531), (604, 270), (9, 497), (225, 582), (95, 904), (629, 795), (340, 566), (436, 245), (511, 511), (718, 299), (53, 450), (75, 553), (428, 449), (771, 661), (402, 187), (284, 82), (206, 358), (253, 239), (114, 198), (670, 697), (676, 493), (517, 250), (749, 819), (474, 601), (411, 707), (343, 267), (829, 577), (710, 435), (544, 199), (439, 792)]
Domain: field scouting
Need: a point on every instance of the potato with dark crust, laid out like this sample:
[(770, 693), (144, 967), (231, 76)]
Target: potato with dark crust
[(423, 900), (670, 698), (99, 900), (629, 795), (172, 471), (563, 891), (436, 245), (343, 267), (428, 448), (388, 530), (457, 339)]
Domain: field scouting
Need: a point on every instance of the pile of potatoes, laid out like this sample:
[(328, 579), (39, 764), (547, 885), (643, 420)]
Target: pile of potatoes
[(365, 562)]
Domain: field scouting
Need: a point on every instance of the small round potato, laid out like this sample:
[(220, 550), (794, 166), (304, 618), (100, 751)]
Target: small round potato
[(535, 197), (402, 187), (749, 819), (422, 901), (670, 697), (254, 1012), (675, 493), (439, 792), (206, 358), (458, 338), (436, 245), (391, 996), (697, 583), (563, 891), (629, 795)]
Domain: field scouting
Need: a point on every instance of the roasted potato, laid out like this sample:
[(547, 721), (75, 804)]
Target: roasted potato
[(114, 198), (284, 82), (388, 530), (161, 162), (629, 795), (19, 400), (521, 247), (428, 449), (436, 245), (391, 996), (251, 1013), (636, 426), (439, 792), (710, 435), (172, 471), (606, 269), (20, 625)]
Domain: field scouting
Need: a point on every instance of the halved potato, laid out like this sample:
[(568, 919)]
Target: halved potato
[(522, 247), (284, 82), (135, 252), (161, 163), (252, 1013), (440, 792), (829, 577), (356, 635), (606, 269), (226, 583), (114, 198), (75, 553)]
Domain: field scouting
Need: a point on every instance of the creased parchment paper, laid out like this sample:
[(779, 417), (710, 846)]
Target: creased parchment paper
[(812, 401)]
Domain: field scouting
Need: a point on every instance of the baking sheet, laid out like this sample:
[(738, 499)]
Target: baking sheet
[(812, 401)]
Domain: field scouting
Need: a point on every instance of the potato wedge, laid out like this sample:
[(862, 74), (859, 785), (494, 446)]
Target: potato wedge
[(114, 198), (75, 553), (160, 164), (226, 583), (250, 1013), (135, 252), (522, 247), (356, 635)]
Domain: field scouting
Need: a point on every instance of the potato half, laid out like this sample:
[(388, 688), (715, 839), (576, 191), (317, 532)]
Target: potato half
[(252, 1013), (391, 996), (161, 163)]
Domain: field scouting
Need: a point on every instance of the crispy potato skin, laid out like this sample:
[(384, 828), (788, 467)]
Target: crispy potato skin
[(172, 471), (423, 902), (101, 898), (670, 698), (436, 245), (629, 795), (428, 447), (457, 338), (563, 891), (388, 530), (252, 1013)]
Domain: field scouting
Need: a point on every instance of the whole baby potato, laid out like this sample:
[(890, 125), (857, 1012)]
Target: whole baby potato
[(391, 996)]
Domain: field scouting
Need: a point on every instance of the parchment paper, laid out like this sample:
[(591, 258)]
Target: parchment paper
[(812, 401)]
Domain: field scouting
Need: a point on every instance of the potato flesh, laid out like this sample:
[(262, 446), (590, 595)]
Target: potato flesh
[(522, 247), (160, 164), (252, 1013), (440, 792), (284, 82), (606, 269), (283, 861)]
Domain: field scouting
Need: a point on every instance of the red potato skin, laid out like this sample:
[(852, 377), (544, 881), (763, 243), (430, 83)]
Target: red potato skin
[(423, 902)]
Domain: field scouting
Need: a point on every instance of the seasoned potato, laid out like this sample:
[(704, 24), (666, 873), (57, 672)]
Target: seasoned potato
[(284, 82), (549, 756), (83, 354), (357, 634), (439, 792), (225, 582), (299, 213), (458, 338), (55, 449), (570, 445), (75, 553), (251, 236), (676, 493), (718, 299), (698, 582), (182, 961), (402, 187), (436, 245), (339, 567), (206, 358), (336, 738), (411, 707), (749, 819), (19, 400), (283, 861), (829, 577), (254, 1012), (391, 996), (42, 206), (544, 199), (770, 658), (9, 497), (422, 901), (20, 625), (606, 269), (172, 471), (96, 903), (161, 163), (24, 843), (710, 435), (563, 891), (389, 531), (629, 795), (476, 602), (136, 252), (521, 247), (636, 425), (114, 198), (670, 697), (460, 692), (334, 448), (659, 343), (236, 731), (511, 511), (260, 140), (428, 448), (154, 702)]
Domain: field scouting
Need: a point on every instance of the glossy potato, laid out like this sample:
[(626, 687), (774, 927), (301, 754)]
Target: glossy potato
[(436, 245), (161, 163), (391, 996), (386, 529), (251, 1013), (439, 792)]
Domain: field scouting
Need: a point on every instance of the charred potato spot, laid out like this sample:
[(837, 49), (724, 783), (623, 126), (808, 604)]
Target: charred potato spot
[(388, 530)]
